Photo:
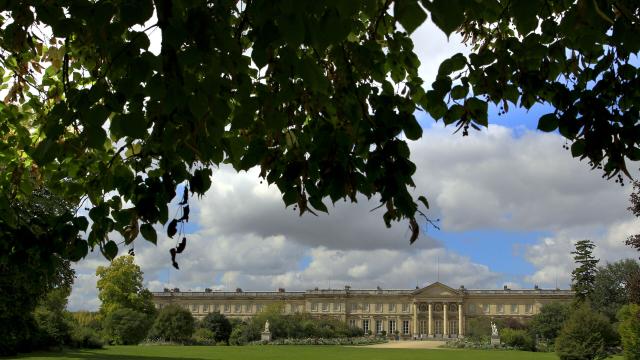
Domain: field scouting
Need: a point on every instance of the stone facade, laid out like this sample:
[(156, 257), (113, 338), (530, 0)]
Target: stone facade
[(435, 311)]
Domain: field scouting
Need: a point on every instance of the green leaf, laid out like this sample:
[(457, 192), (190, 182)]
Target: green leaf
[(455, 63), (110, 250), (478, 110), (578, 148), (79, 250), (318, 204), (412, 128), (548, 122), (409, 14), (524, 14), (149, 233), (424, 201), (200, 181), (448, 15)]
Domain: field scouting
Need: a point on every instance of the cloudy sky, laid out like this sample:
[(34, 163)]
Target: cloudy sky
[(511, 202)]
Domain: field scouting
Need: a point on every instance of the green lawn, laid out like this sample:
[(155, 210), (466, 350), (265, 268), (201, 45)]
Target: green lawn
[(283, 353)]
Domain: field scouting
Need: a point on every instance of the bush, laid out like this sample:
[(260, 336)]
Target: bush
[(126, 326), (218, 325), (548, 322), (629, 329), (203, 336), (479, 329), (85, 337), (518, 339), (173, 324), (586, 335)]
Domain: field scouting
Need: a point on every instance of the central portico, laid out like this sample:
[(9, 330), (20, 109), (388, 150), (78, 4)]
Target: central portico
[(438, 312)]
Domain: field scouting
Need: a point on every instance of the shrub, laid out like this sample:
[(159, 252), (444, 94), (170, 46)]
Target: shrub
[(173, 324), (629, 329), (479, 329), (586, 335), (518, 339), (218, 325), (204, 336), (126, 326), (239, 335), (548, 322), (85, 337)]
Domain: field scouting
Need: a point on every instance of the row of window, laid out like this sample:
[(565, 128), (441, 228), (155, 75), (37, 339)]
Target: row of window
[(355, 307), (233, 308), (500, 308), (379, 326)]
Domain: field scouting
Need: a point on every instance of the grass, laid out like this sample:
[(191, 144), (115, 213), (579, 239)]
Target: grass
[(282, 353)]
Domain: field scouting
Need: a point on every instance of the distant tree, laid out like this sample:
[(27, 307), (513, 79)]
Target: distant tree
[(173, 323), (586, 335), (612, 286), (218, 324), (583, 276), (629, 330), (634, 242), (126, 326), (549, 321), (634, 199), (120, 286)]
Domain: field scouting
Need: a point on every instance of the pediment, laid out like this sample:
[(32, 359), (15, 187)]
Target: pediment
[(437, 290)]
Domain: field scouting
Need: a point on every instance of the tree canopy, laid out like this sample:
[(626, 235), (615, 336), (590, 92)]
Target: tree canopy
[(317, 94), (120, 287)]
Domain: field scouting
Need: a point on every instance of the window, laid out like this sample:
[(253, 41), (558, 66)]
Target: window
[(514, 308), (237, 308), (485, 308), (215, 307), (194, 308), (378, 308), (325, 307), (352, 323), (378, 326), (528, 308), (337, 307), (405, 307), (314, 306), (405, 327), (472, 308), (500, 308), (248, 308), (392, 326), (354, 307), (258, 307), (205, 308), (227, 308), (365, 325), (392, 307), (365, 307), (296, 308)]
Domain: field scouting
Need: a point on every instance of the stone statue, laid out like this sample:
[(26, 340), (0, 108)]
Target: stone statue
[(266, 326), (494, 329)]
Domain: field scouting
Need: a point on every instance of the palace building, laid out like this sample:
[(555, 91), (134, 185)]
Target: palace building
[(436, 310)]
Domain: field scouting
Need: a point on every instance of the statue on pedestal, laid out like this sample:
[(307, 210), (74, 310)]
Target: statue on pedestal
[(266, 334), (495, 337)]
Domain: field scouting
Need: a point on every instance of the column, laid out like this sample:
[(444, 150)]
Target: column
[(445, 321), (430, 320), (460, 325), (415, 320)]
